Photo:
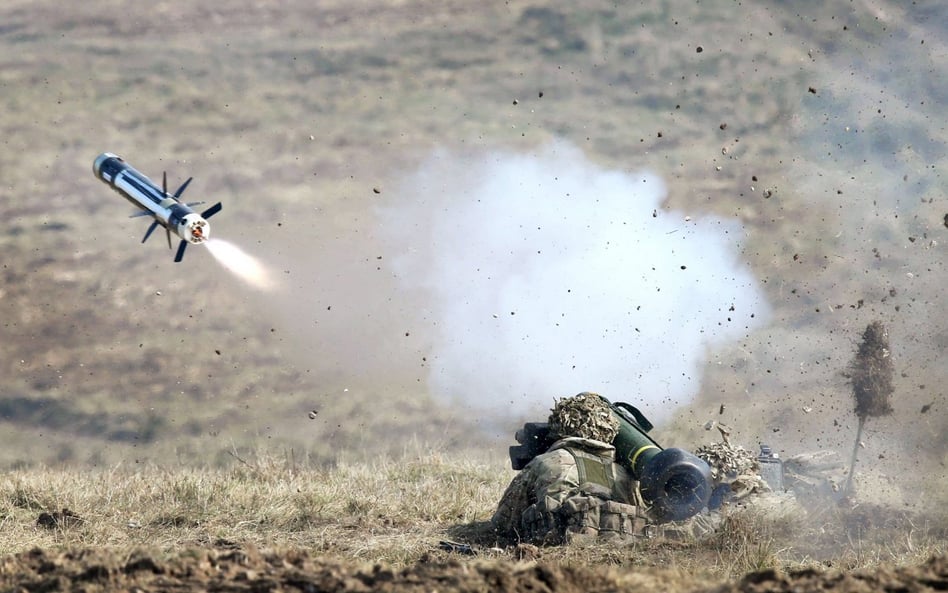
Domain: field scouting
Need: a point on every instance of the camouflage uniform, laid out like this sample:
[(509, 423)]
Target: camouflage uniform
[(575, 488)]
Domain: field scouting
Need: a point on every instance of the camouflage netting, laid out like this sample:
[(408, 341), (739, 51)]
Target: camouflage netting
[(735, 466), (584, 415), (728, 461)]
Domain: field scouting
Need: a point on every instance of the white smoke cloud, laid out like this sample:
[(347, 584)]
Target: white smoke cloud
[(545, 275)]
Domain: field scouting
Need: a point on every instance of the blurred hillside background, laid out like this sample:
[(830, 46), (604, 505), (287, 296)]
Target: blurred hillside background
[(388, 162)]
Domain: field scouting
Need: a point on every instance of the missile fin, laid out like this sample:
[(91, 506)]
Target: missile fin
[(180, 254), (151, 228), (181, 189), (212, 210)]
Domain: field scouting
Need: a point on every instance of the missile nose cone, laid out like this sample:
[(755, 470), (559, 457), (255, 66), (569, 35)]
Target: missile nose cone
[(97, 164)]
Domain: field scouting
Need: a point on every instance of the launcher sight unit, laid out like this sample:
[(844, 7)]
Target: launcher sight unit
[(676, 483)]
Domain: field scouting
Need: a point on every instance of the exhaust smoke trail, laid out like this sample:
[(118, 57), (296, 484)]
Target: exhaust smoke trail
[(241, 264), (540, 276)]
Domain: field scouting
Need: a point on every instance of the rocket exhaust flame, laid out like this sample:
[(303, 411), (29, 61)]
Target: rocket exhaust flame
[(240, 263)]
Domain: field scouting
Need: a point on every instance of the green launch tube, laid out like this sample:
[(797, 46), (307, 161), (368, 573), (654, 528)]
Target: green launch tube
[(675, 483)]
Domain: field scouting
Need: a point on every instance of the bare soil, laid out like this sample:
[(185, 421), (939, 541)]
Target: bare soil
[(227, 567)]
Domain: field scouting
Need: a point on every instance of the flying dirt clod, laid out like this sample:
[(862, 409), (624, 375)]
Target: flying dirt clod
[(870, 373)]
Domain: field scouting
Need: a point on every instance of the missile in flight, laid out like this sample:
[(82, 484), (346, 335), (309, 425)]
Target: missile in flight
[(166, 209)]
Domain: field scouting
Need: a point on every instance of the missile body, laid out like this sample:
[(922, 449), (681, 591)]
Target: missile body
[(154, 201)]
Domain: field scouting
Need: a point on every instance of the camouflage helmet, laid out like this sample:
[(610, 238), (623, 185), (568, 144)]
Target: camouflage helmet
[(584, 415)]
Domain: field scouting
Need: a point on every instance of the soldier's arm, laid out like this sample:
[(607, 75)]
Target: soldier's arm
[(556, 478), (516, 498)]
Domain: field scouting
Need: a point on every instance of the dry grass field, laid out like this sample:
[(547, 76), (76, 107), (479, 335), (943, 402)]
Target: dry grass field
[(424, 182), (270, 524)]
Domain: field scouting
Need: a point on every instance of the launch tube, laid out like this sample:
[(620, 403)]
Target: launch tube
[(677, 483)]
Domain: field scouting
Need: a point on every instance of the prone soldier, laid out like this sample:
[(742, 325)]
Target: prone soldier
[(575, 488)]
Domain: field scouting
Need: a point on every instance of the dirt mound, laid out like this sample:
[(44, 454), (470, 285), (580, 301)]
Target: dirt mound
[(246, 569), (231, 568), (931, 576)]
